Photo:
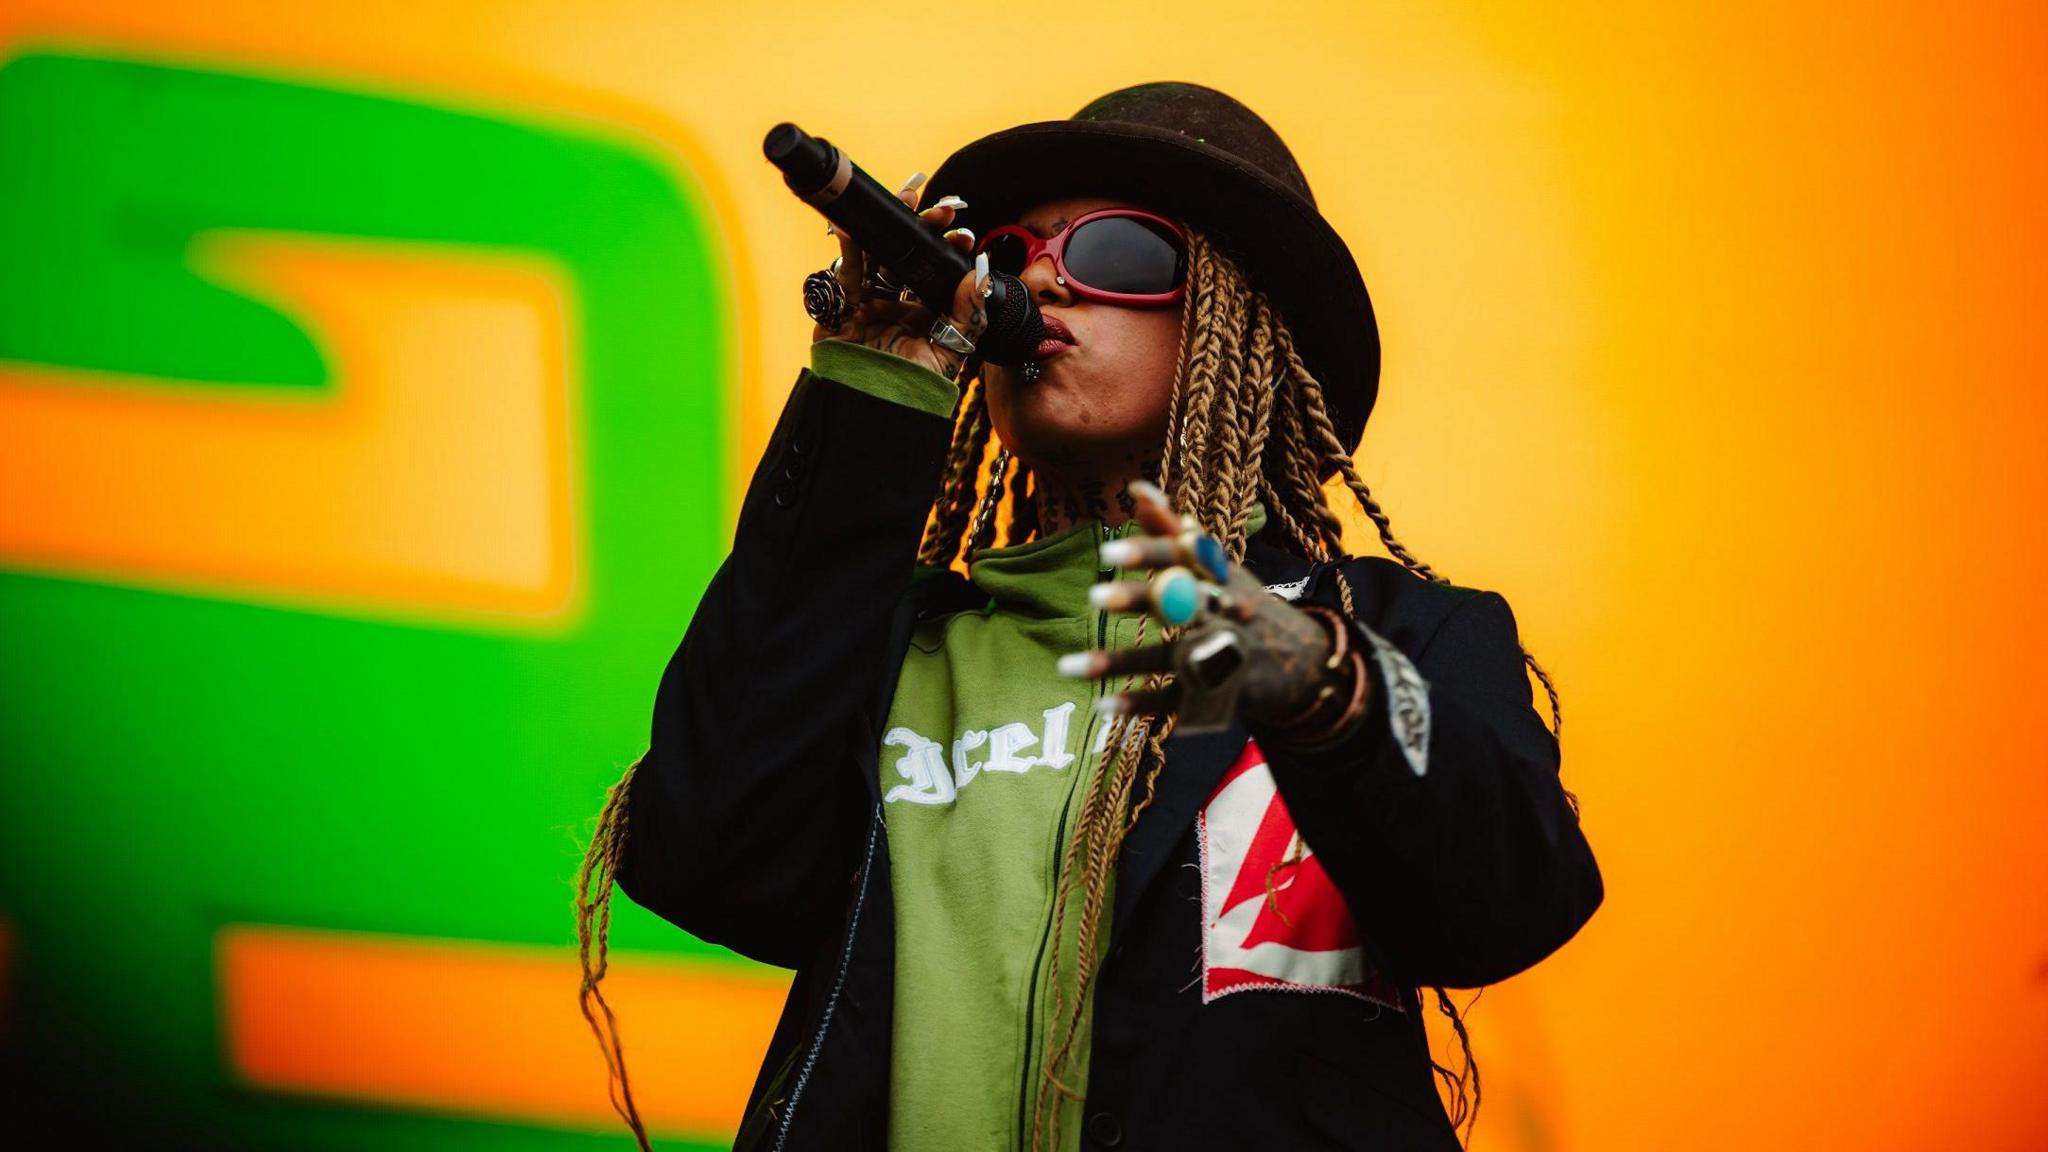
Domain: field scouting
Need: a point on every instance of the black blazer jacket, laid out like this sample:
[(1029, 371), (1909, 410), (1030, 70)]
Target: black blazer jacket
[(755, 822)]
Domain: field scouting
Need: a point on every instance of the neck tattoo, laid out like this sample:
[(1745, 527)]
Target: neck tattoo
[(1063, 504)]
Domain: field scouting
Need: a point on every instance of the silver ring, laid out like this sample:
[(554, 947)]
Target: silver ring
[(1215, 656), (880, 285), (946, 336), (825, 299)]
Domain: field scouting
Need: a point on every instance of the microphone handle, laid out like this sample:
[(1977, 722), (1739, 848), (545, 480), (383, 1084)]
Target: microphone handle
[(893, 236)]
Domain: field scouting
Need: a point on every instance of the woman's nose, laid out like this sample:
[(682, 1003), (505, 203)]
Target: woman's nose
[(1044, 282)]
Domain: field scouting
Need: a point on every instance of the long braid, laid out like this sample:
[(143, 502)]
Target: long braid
[(1461, 1115), (1293, 498), (950, 473), (982, 533), (1226, 419), (1297, 533), (593, 905), (1084, 847), (1319, 418), (1297, 465), (1177, 401), (1098, 837), (1188, 455), (1251, 481), (1334, 452), (1089, 860), (1203, 472), (959, 497)]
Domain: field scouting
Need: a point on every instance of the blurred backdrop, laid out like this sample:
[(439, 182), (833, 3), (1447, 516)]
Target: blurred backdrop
[(378, 381)]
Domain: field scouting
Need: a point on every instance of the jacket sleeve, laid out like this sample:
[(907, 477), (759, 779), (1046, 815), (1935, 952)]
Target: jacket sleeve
[(745, 819), (1441, 818)]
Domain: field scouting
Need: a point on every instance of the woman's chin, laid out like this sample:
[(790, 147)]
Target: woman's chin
[(1067, 441), (1067, 417)]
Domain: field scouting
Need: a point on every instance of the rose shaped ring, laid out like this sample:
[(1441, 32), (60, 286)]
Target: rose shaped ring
[(825, 298)]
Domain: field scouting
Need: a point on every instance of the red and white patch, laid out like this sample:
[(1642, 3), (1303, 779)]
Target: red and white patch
[(1298, 938)]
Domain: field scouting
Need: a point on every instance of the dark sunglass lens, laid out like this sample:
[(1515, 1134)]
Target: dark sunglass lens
[(1006, 254), (1125, 254)]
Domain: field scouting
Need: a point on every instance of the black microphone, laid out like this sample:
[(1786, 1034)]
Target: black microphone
[(892, 235)]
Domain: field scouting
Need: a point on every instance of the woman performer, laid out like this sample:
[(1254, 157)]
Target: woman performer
[(1025, 911)]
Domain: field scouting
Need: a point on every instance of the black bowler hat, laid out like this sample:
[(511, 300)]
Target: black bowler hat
[(1199, 156)]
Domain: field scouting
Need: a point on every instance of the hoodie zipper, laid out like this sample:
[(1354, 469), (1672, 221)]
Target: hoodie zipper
[(1059, 844)]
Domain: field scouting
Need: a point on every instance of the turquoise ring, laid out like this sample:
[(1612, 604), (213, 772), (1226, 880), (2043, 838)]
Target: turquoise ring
[(1176, 596)]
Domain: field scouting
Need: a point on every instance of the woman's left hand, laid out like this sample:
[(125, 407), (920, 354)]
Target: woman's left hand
[(1279, 667)]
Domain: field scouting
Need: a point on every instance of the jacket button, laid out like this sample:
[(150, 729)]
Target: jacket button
[(1104, 1130), (785, 496)]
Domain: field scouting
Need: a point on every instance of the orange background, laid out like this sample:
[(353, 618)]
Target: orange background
[(1713, 341)]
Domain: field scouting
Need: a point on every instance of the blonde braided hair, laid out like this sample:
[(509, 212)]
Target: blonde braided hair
[(1247, 423)]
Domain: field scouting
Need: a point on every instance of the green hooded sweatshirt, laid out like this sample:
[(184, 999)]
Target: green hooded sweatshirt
[(985, 756), (985, 761)]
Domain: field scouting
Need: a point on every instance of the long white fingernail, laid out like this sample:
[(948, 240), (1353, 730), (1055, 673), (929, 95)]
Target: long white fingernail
[(916, 178), (967, 232), (980, 271), (948, 201), (1102, 595), (1075, 665), (1149, 491), (1121, 553), (1111, 706)]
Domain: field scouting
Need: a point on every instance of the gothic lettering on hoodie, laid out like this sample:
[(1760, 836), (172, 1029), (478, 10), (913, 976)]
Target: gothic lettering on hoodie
[(935, 773)]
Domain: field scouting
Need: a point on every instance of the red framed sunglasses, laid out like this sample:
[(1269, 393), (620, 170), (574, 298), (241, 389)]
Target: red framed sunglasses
[(1125, 256)]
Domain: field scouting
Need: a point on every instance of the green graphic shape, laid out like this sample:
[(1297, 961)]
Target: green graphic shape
[(170, 763)]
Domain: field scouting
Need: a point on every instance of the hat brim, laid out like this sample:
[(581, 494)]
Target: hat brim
[(1283, 244)]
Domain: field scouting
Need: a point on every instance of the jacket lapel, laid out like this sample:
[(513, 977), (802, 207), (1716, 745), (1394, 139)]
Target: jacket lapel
[(1194, 766), (937, 591)]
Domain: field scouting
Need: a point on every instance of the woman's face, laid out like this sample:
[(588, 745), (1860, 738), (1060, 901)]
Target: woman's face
[(1100, 404)]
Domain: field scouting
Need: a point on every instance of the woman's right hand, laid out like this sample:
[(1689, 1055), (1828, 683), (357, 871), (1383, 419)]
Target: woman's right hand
[(903, 327)]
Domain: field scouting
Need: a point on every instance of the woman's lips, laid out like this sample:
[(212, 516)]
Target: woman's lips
[(1057, 339)]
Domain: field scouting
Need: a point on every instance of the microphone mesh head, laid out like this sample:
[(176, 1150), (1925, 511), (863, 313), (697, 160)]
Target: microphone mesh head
[(1014, 326)]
